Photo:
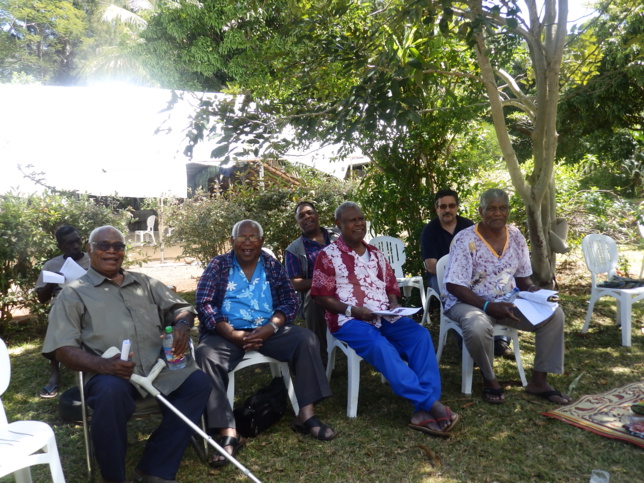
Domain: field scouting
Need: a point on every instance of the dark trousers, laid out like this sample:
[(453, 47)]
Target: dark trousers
[(296, 345), (113, 401)]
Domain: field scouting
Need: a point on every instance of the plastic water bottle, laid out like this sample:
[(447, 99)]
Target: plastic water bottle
[(174, 362), (510, 296)]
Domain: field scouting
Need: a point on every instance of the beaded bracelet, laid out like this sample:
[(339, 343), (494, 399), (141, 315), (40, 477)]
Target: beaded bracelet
[(485, 305)]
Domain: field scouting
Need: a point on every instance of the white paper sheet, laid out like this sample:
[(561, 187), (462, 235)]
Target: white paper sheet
[(72, 270), (52, 277), (400, 311)]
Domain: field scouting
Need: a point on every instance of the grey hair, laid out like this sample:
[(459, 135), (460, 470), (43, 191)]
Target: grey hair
[(493, 194), (238, 225), (94, 233), (347, 204)]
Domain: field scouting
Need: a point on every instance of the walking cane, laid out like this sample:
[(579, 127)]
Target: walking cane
[(146, 383)]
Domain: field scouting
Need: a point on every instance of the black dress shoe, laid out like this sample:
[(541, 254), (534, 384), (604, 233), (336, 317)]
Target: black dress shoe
[(502, 349)]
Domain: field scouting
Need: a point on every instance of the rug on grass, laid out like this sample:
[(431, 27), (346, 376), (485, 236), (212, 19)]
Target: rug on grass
[(605, 413)]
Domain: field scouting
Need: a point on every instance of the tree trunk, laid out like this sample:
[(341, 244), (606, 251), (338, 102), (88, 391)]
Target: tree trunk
[(545, 41)]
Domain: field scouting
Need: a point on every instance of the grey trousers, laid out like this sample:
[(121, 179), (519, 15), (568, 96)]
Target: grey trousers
[(477, 329), (315, 322), (296, 345)]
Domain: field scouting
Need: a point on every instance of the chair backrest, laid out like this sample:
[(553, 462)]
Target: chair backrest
[(5, 377), (394, 249), (150, 222), (600, 254), (640, 225), (440, 271)]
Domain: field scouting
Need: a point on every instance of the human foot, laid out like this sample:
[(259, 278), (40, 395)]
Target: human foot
[(445, 418), (493, 393), (232, 445), (315, 428), (547, 392), (425, 422)]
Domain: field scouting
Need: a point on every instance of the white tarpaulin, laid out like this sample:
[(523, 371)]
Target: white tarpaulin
[(98, 140)]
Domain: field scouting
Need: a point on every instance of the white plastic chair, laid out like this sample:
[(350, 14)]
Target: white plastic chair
[(277, 369), (601, 256), (467, 371), (24, 443), (394, 250), (353, 369), (141, 234), (640, 227)]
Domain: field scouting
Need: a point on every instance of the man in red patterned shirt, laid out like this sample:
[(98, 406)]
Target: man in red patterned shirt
[(351, 281)]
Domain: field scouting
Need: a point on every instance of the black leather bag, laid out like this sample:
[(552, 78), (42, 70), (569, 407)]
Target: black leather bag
[(262, 409)]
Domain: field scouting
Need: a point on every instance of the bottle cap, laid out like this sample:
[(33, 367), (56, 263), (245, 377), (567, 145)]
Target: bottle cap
[(168, 329)]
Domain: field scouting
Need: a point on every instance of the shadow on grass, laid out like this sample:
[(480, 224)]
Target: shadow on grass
[(509, 442)]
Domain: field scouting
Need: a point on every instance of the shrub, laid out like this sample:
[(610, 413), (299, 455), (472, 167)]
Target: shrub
[(27, 239), (202, 224)]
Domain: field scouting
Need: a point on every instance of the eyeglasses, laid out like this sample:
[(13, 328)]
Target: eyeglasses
[(451, 206), (105, 246), (244, 239)]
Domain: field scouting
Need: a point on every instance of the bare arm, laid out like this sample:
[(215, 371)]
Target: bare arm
[(45, 293), (498, 310), (526, 284), (334, 305), (301, 284), (77, 359), (430, 265)]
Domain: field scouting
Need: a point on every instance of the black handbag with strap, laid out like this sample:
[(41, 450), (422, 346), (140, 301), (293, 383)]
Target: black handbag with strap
[(262, 409)]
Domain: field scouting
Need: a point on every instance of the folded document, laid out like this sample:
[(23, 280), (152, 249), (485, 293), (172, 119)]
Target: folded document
[(537, 306)]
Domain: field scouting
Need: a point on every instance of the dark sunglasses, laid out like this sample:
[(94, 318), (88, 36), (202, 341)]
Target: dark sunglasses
[(451, 206), (105, 246)]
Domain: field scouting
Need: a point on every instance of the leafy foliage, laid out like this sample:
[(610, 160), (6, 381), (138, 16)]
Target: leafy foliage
[(27, 234), (203, 224), (39, 38)]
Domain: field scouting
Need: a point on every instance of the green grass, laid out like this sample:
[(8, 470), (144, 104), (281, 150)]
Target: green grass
[(509, 442)]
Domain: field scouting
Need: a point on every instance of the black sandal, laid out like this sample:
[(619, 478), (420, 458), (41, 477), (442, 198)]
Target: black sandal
[(235, 443), (498, 392), (314, 422)]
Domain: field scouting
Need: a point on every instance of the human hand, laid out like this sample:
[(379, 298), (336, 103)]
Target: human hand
[(180, 339), (362, 313), (114, 366), (393, 305), (255, 339), (501, 310)]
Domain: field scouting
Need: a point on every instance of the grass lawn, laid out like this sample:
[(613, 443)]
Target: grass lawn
[(509, 442)]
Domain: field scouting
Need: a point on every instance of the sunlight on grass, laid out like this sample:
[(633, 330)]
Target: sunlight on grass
[(21, 349)]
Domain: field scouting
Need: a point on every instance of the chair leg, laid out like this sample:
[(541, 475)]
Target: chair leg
[(442, 340), (55, 467), (330, 363), (517, 358), (467, 372), (288, 382), (589, 313), (625, 308), (230, 391), (23, 475), (353, 363)]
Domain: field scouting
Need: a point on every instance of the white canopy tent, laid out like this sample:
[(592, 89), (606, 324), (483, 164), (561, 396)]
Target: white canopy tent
[(97, 140)]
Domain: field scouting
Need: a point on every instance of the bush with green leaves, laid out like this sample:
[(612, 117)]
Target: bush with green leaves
[(202, 224), (28, 224)]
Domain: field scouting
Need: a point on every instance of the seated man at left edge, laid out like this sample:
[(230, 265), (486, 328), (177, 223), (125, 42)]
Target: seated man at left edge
[(100, 310)]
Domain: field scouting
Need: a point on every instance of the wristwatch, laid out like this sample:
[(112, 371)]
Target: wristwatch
[(275, 327), (347, 312)]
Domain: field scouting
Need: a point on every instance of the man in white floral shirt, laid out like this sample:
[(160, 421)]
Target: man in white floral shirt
[(351, 281), (486, 262)]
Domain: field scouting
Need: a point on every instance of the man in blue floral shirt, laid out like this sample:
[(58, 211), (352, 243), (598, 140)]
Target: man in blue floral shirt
[(246, 302)]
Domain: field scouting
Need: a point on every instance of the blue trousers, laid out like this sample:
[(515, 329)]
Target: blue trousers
[(113, 401), (387, 349)]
